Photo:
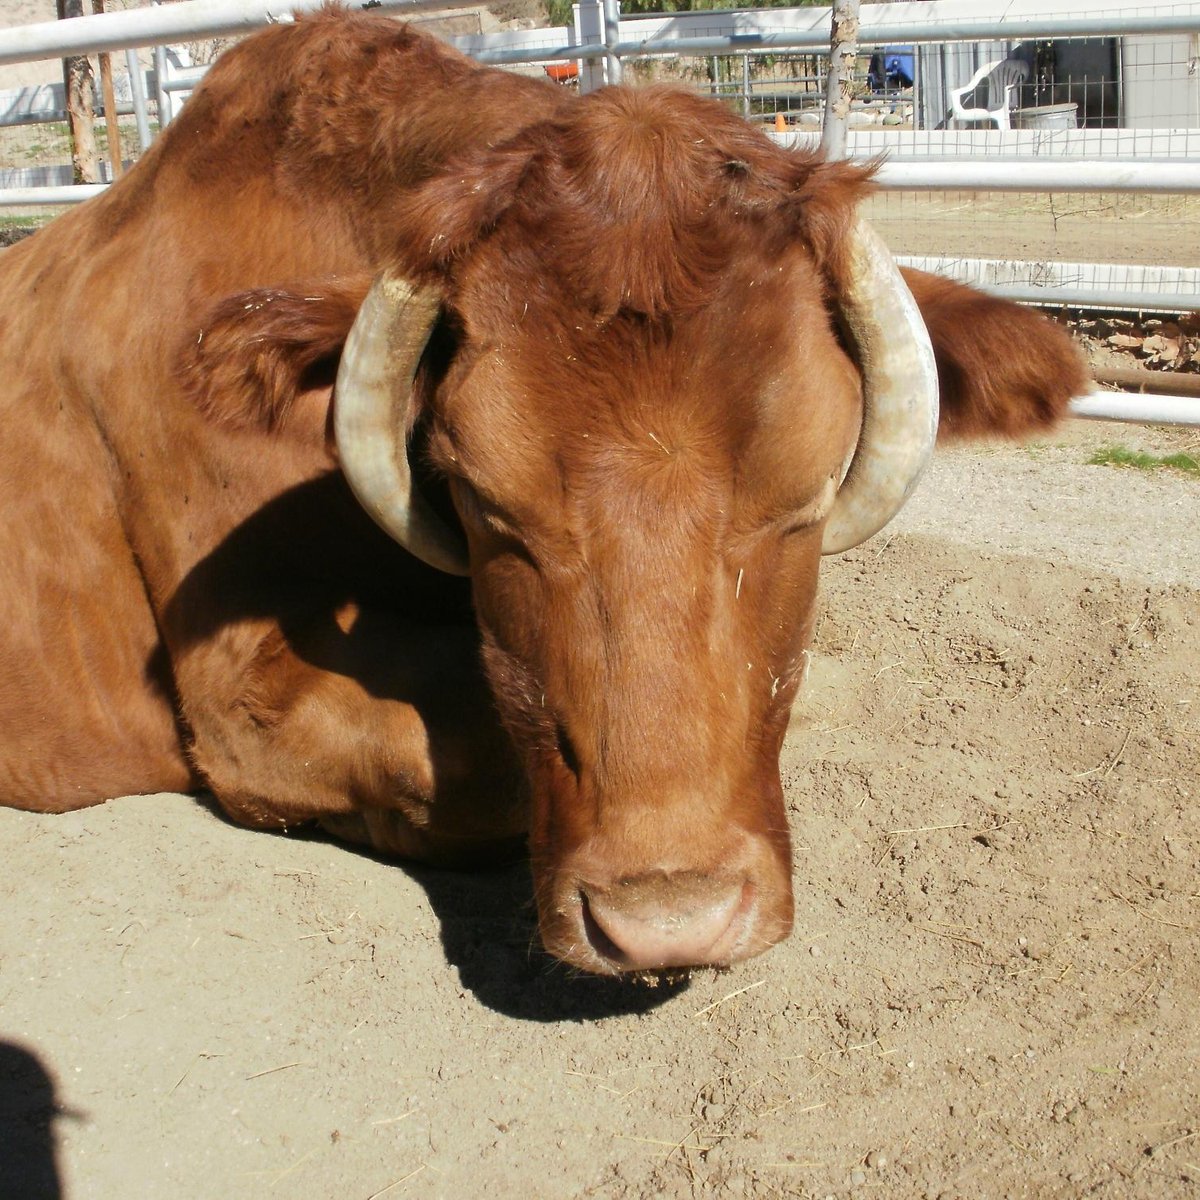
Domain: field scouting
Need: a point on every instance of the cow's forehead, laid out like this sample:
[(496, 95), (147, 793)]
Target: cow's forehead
[(741, 407)]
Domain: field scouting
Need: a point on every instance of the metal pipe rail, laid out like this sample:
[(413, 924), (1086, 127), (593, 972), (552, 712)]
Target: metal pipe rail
[(890, 34), (807, 29), (1040, 175), (1055, 296), (32, 197), (184, 22), (683, 33), (1138, 408)]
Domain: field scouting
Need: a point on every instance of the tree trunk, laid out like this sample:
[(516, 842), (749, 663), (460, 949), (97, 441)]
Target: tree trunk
[(839, 84), (111, 126), (77, 75)]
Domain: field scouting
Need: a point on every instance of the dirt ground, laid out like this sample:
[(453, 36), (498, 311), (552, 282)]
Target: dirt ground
[(991, 988), (1138, 229), (990, 991)]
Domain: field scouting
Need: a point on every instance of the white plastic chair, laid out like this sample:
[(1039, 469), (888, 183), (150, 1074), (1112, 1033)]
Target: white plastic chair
[(1004, 76)]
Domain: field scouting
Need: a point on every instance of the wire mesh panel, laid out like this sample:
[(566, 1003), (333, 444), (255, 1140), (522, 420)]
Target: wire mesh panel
[(39, 155), (1129, 99), (35, 137), (1040, 227), (755, 85), (1125, 96)]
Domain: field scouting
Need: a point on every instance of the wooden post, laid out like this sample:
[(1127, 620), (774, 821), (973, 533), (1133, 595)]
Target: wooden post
[(843, 47), (110, 104), (77, 75)]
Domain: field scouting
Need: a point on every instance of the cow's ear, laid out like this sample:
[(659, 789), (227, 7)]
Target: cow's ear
[(266, 358), (824, 203), (1004, 370)]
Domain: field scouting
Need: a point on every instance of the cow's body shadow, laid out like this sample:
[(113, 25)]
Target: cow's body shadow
[(490, 935), (489, 926)]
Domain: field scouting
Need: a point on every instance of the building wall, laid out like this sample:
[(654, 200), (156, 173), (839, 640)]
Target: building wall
[(1160, 78)]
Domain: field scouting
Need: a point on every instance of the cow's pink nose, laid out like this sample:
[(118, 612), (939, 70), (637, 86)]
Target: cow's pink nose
[(669, 920)]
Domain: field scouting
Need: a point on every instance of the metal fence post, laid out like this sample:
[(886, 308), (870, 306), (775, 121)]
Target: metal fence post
[(137, 92), (163, 97), (612, 35), (598, 22), (843, 46)]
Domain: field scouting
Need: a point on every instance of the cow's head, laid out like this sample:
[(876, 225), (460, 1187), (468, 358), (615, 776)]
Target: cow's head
[(678, 370)]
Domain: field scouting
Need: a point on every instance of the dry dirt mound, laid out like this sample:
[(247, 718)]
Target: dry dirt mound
[(991, 990)]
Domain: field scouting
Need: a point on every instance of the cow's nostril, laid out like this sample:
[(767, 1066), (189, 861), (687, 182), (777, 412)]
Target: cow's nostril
[(598, 939), (667, 922)]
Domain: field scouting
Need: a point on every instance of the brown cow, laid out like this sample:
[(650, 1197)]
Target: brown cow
[(632, 346)]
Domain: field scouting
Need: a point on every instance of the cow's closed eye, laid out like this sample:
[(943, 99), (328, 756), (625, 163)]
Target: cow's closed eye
[(482, 515)]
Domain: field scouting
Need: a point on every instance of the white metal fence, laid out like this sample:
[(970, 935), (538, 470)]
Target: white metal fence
[(1092, 198), (1097, 202)]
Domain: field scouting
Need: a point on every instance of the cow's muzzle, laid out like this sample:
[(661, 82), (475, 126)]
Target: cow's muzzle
[(647, 920), (667, 921)]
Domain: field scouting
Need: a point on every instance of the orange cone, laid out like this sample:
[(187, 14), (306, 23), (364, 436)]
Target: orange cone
[(780, 123)]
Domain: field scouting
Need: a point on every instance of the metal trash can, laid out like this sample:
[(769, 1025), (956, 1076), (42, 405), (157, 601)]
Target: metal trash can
[(1047, 116)]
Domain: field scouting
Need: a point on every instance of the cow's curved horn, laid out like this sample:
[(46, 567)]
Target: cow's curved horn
[(900, 395), (372, 413)]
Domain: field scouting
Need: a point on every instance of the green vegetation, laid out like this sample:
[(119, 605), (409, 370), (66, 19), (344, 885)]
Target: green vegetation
[(1122, 456)]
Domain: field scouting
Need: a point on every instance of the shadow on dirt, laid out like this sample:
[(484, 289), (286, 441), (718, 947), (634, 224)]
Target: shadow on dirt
[(489, 932), (28, 1108)]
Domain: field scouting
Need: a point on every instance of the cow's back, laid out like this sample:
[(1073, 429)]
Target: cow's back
[(114, 490), (85, 697)]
